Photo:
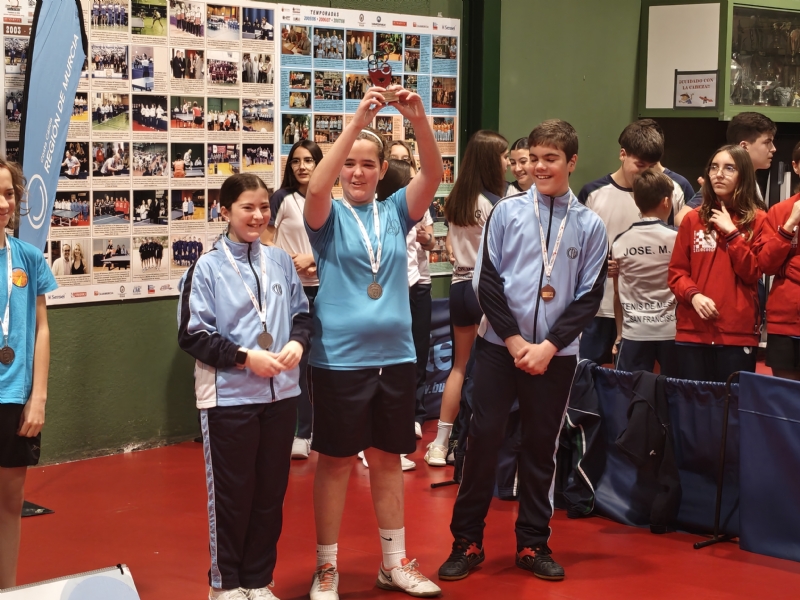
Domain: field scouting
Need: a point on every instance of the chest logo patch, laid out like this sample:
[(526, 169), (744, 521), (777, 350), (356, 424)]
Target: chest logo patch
[(572, 253), (277, 289), (393, 228), (704, 242), (19, 277)]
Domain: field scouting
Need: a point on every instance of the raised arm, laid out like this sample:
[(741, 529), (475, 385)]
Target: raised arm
[(422, 188), (318, 196)]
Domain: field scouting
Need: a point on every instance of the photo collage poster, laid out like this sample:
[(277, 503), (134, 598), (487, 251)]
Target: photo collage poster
[(323, 58), (176, 96)]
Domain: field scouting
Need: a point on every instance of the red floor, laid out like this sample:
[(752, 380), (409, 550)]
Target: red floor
[(147, 509)]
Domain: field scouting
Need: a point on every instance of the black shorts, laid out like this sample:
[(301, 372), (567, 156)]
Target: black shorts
[(17, 451), (464, 307), (365, 408), (783, 352)]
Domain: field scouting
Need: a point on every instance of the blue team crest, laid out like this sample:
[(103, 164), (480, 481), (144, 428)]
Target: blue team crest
[(393, 228), (277, 289)]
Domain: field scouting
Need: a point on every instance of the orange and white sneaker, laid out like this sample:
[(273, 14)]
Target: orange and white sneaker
[(325, 583), (407, 578)]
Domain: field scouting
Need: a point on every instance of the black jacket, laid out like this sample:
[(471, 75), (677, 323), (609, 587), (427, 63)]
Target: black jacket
[(647, 442), (582, 447)]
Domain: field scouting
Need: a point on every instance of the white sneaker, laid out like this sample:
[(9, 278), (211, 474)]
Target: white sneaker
[(407, 578), (235, 594), (436, 455), (260, 594), (325, 583), (418, 430), (405, 463), (300, 448)]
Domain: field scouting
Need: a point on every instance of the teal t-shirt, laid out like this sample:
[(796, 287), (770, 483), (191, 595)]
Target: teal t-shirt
[(352, 331), (31, 278)]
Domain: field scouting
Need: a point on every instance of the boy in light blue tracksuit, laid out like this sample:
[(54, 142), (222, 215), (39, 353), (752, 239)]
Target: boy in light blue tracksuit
[(244, 317), (534, 309)]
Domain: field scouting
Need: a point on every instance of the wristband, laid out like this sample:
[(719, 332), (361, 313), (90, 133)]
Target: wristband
[(787, 235), (732, 236)]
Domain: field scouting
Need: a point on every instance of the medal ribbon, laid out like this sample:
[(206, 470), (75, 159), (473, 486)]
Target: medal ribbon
[(261, 309), (549, 264), (376, 223), (4, 323)]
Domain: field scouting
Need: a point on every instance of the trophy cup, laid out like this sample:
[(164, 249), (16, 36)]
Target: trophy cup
[(761, 87), (380, 72)]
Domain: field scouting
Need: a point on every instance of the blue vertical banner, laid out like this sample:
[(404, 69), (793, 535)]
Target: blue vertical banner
[(57, 49)]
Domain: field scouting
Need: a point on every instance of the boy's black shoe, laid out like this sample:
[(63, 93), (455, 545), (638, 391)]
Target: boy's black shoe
[(539, 562), (465, 556)]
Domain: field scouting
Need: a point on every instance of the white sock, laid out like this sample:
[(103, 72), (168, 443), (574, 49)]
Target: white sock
[(443, 434), (327, 554), (393, 546)]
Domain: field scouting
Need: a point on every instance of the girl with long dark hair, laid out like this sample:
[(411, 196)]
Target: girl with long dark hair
[(480, 185), (714, 272)]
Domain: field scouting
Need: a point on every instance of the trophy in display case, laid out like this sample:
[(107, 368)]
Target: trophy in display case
[(765, 44), (783, 95), (736, 78), (761, 87), (380, 73)]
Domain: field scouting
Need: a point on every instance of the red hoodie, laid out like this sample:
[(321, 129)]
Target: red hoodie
[(724, 269), (778, 255)]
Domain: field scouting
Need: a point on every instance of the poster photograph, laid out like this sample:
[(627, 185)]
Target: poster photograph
[(175, 96)]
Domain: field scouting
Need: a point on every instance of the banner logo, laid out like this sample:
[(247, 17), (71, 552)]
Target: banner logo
[(37, 201)]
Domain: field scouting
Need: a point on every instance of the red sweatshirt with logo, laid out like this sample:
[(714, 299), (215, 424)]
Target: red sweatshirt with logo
[(723, 268), (778, 256)]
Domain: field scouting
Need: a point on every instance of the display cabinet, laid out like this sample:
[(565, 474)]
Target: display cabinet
[(754, 48)]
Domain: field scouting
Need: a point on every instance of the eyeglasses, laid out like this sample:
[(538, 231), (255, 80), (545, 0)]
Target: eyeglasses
[(726, 170), (307, 162)]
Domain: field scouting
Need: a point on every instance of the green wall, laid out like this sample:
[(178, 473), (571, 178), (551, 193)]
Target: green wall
[(117, 377), (575, 60), (117, 380)]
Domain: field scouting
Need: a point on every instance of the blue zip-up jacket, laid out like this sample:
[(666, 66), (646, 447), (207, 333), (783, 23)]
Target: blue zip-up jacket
[(510, 272), (216, 317)]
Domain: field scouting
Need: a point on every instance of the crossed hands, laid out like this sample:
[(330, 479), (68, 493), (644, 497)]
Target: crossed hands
[(268, 364), (531, 358)]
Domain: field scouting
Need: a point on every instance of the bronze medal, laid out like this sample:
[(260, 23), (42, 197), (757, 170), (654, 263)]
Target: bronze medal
[(547, 293), (6, 355), (374, 290), (264, 340)]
